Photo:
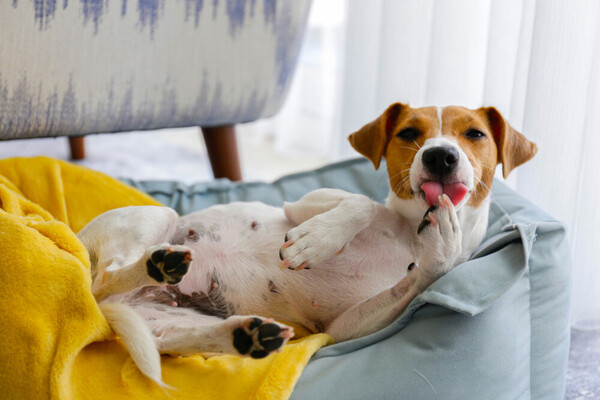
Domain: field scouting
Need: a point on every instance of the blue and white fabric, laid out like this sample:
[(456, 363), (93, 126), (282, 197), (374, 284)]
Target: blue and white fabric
[(72, 67)]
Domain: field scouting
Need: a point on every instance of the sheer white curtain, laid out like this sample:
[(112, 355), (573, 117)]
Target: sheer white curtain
[(538, 62)]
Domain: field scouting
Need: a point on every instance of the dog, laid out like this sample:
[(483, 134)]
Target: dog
[(244, 278)]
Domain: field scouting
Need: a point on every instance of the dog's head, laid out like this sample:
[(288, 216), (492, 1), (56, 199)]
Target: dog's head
[(452, 150)]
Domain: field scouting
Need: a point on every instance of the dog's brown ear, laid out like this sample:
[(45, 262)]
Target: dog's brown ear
[(372, 139), (514, 149)]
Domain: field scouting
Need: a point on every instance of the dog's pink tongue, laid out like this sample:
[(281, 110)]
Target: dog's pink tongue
[(455, 191)]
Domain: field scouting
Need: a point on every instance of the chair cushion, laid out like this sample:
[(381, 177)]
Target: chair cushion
[(496, 327), (86, 67)]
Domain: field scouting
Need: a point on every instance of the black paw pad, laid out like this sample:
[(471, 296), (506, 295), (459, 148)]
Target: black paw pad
[(430, 209), (272, 344), (242, 341), (268, 337), (256, 322), (281, 257), (154, 272), (169, 266), (259, 353), (259, 339), (173, 260), (426, 221), (267, 330), (158, 256), (424, 224)]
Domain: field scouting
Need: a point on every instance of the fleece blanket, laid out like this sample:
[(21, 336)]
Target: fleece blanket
[(55, 342)]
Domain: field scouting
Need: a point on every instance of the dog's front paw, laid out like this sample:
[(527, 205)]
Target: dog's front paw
[(258, 337), (307, 245), (168, 263), (441, 239)]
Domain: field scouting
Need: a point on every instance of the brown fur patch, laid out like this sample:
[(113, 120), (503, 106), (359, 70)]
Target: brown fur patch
[(501, 143), (482, 153), (211, 303), (400, 153)]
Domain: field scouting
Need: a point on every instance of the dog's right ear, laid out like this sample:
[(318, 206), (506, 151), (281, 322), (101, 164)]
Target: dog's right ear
[(372, 139)]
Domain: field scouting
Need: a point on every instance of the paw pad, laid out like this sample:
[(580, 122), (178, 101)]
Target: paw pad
[(428, 219), (168, 265), (258, 338)]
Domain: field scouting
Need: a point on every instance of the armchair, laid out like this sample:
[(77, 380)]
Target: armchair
[(72, 68)]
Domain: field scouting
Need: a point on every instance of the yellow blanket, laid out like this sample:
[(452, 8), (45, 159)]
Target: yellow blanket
[(56, 343)]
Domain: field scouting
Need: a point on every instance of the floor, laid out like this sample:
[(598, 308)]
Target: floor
[(583, 375), (169, 154)]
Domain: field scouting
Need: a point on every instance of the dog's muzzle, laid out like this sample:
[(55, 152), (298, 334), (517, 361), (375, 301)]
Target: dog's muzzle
[(441, 164)]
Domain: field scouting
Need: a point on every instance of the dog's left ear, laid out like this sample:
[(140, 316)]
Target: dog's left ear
[(372, 139), (514, 149)]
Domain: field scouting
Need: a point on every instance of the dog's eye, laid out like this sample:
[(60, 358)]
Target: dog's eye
[(408, 134), (474, 134)]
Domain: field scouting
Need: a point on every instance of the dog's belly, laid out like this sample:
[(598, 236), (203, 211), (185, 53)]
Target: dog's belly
[(236, 267)]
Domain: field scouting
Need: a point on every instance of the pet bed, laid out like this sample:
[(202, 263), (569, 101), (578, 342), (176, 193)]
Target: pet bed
[(496, 327)]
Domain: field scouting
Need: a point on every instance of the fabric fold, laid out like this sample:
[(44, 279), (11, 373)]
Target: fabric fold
[(56, 342)]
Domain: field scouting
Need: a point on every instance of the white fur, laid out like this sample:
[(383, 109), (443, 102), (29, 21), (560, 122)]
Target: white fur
[(117, 267), (136, 337), (358, 252), (440, 113), (323, 235)]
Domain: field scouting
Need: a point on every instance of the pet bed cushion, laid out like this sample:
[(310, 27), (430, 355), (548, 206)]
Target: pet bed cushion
[(56, 343), (496, 327)]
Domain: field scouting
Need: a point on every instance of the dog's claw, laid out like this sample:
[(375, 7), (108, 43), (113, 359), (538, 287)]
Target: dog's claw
[(430, 210)]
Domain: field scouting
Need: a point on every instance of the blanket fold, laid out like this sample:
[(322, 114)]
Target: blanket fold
[(57, 344)]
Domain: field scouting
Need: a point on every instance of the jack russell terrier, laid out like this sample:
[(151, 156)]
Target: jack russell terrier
[(217, 280)]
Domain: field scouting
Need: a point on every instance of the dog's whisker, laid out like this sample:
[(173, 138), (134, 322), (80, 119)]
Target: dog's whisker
[(481, 165), (409, 148), (482, 183), (404, 183), (399, 173)]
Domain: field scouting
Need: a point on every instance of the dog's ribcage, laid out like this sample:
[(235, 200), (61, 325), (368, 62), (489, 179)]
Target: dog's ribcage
[(235, 267)]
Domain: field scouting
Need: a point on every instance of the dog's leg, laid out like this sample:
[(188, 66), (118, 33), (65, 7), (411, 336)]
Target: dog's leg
[(441, 237), (328, 219), (126, 251), (183, 331), (160, 265)]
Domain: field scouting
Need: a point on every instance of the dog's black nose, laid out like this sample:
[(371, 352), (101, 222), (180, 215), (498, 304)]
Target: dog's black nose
[(440, 160)]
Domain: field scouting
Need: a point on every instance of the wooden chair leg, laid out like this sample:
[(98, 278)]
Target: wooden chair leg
[(222, 150), (77, 145)]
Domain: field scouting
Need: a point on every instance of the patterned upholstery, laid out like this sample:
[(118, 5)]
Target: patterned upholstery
[(72, 67)]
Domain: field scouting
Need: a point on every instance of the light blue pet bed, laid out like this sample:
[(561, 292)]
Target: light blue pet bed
[(496, 327)]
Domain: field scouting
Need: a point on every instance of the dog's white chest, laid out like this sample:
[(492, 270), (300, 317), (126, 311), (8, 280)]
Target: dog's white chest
[(236, 259)]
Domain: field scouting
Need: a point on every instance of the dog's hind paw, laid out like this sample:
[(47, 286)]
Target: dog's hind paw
[(258, 337), (168, 263)]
